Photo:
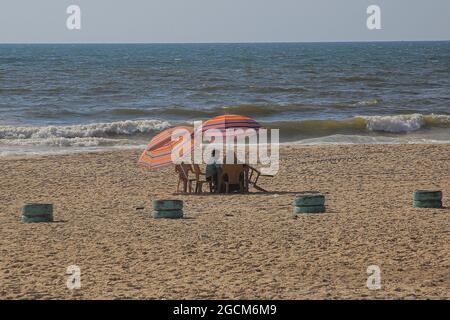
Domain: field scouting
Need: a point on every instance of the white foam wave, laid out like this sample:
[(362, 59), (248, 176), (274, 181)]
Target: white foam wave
[(346, 139), (129, 127), (340, 139), (65, 142), (395, 124), (372, 102)]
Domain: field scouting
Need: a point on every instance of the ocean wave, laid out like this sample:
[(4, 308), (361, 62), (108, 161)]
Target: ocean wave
[(255, 89), (132, 112), (185, 112), (360, 129), (405, 123), (7, 60), (317, 128), (250, 110), (348, 139), (362, 79), (99, 130), (65, 142), (265, 109), (269, 109), (214, 88), (364, 103), (277, 89), (14, 90), (397, 124), (51, 114), (340, 139)]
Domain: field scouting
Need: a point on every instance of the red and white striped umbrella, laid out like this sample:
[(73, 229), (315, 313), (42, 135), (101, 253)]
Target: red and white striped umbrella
[(160, 149), (230, 125)]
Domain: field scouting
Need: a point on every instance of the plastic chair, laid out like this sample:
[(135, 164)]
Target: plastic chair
[(232, 174), (183, 176), (198, 181), (253, 176)]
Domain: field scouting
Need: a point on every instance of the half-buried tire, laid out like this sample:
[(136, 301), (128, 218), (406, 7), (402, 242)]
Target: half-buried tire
[(168, 214), (162, 205), (425, 195), (436, 204), (309, 200), (37, 212), (35, 219), (309, 209)]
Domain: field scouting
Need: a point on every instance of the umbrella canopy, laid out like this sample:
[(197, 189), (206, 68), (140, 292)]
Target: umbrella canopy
[(160, 149), (230, 121)]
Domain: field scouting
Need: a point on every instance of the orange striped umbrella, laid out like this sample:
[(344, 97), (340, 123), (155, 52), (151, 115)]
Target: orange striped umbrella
[(230, 121), (160, 149)]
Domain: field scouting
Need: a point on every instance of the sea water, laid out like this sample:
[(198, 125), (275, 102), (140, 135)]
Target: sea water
[(62, 98)]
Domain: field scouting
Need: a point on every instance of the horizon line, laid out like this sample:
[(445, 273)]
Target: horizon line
[(224, 42)]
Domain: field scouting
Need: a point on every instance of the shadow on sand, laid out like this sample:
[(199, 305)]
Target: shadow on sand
[(272, 193)]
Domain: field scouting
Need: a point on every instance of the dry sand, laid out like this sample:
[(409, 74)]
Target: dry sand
[(229, 246)]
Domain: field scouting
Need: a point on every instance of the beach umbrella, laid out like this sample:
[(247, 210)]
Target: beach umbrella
[(159, 150), (230, 121)]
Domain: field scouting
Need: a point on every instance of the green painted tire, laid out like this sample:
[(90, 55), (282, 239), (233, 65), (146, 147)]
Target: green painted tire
[(424, 195), (168, 214), (37, 209), (309, 200), (35, 219), (309, 209), (428, 204), (167, 205)]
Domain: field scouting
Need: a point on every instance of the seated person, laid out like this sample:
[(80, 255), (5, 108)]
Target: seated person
[(212, 169)]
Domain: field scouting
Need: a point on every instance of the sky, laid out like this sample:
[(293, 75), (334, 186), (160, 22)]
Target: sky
[(174, 21)]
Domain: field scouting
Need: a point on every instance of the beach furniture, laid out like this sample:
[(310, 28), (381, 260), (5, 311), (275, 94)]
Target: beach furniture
[(200, 179), (183, 170), (232, 177), (162, 147), (227, 122), (37, 212), (231, 125), (427, 199), (159, 150), (167, 209), (253, 176), (309, 203)]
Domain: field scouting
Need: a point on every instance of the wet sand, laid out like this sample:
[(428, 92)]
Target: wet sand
[(229, 246)]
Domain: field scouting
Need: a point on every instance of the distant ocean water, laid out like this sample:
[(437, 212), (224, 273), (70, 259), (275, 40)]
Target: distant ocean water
[(59, 98)]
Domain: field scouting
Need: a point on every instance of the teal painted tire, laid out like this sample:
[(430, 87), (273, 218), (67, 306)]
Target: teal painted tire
[(36, 219), (428, 204), (424, 195), (168, 214), (309, 209), (37, 209), (167, 205), (309, 200)]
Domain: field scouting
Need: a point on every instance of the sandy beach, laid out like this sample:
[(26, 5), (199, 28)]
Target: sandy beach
[(229, 246)]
